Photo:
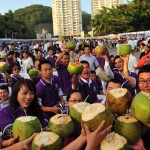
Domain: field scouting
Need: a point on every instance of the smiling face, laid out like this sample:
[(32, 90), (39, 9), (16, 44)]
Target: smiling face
[(75, 97), (15, 70), (65, 60), (25, 96), (4, 95), (144, 87), (119, 64), (86, 72)]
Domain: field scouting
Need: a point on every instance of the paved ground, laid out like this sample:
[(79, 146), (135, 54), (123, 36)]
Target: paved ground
[(112, 51)]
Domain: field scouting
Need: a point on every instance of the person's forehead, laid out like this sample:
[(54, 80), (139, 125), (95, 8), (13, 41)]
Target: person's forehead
[(112, 84), (144, 75)]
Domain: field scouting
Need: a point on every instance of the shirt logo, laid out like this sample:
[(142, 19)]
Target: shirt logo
[(94, 88), (56, 86)]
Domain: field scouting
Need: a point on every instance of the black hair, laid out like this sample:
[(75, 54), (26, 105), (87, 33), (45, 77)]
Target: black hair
[(145, 68), (114, 81), (13, 65), (87, 46), (44, 62), (34, 108), (93, 72), (4, 87), (71, 92), (111, 56), (116, 57), (84, 62), (66, 53)]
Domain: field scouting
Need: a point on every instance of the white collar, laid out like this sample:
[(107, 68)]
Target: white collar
[(90, 81)]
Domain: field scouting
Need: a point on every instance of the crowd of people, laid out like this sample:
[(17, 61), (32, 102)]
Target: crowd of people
[(42, 95)]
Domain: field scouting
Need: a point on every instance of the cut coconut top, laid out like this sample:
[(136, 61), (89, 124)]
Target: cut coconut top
[(127, 119), (113, 141), (26, 118), (2, 63), (45, 138), (119, 92), (60, 119), (92, 110), (79, 107), (146, 94)]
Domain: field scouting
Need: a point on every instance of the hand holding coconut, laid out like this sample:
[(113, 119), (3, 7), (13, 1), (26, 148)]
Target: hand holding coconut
[(95, 138)]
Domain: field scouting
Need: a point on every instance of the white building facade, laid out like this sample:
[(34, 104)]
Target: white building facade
[(96, 5), (67, 17)]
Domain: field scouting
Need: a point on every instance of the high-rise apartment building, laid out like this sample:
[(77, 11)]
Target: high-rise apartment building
[(67, 17), (98, 4)]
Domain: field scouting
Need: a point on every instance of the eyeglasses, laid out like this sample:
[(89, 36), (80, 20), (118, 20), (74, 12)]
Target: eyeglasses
[(144, 81), (16, 69), (75, 101)]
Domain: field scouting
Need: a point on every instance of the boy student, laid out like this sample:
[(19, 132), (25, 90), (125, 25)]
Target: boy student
[(52, 58), (63, 74), (88, 87), (99, 83), (48, 88)]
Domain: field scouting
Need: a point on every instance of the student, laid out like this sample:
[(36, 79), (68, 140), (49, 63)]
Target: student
[(52, 58), (48, 88), (4, 96), (23, 102), (15, 70), (40, 55), (85, 84), (99, 83), (63, 74)]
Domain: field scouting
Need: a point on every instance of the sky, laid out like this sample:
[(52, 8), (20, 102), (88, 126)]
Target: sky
[(13, 5)]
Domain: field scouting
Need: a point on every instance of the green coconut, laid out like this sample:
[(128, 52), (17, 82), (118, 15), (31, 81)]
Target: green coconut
[(70, 45), (33, 72), (51, 141), (140, 107), (114, 141), (3, 66), (4, 55), (105, 78), (76, 111), (129, 127), (25, 126), (61, 124), (124, 49), (94, 114), (118, 100), (75, 68), (100, 50)]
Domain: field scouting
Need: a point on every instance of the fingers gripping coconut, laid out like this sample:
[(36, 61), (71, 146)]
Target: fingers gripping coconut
[(94, 114), (76, 111), (70, 46), (140, 107), (129, 127), (114, 141), (25, 126), (124, 49), (75, 68), (50, 140), (61, 124), (118, 100)]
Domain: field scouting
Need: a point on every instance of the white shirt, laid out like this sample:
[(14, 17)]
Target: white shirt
[(132, 63), (27, 63), (5, 104)]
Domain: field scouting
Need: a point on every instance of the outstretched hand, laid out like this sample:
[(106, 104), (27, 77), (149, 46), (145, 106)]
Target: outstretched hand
[(95, 138), (138, 145)]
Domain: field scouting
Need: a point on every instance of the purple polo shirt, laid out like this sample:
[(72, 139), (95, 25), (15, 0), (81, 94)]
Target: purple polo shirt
[(101, 62), (1, 78), (99, 84), (14, 80), (126, 84), (52, 60), (7, 118), (10, 60), (91, 90), (64, 78), (48, 94)]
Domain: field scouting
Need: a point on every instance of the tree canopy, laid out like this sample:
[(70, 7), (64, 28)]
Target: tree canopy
[(133, 16)]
